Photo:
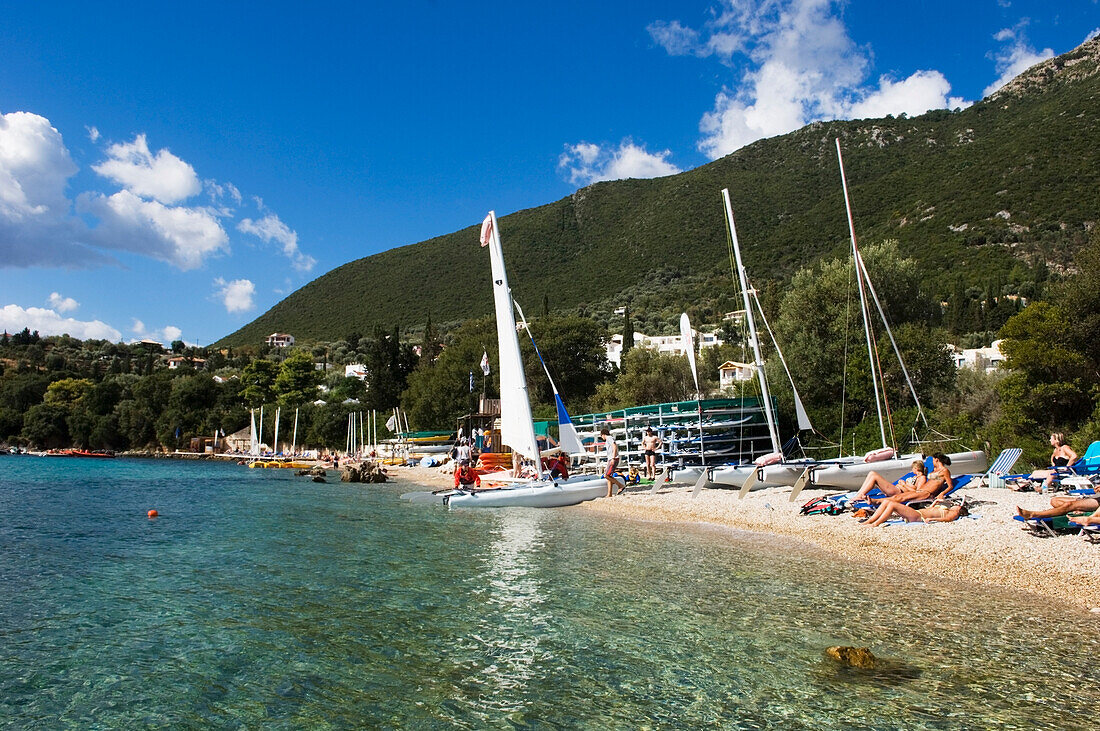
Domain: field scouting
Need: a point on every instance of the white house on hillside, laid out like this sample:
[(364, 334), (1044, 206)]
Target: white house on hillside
[(280, 340), (356, 370), (987, 359), (731, 373), (663, 344)]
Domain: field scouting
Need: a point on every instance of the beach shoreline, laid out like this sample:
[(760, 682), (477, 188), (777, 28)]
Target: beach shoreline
[(989, 548)]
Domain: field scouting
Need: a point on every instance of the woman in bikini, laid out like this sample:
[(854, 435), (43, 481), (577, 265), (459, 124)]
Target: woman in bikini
[(888, 488), (938, 482), (937, 512)]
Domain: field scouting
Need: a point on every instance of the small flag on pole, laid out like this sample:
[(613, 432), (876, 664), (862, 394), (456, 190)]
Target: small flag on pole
[(486, 230), (391, 423), (485, 363)]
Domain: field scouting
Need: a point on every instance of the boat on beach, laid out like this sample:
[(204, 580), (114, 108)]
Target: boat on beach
[(93, 453), (517, 425)]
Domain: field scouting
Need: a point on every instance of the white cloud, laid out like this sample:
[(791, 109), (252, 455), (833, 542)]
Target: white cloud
[(220, 191), (166, 334), (585, 163), (798, 64), (270, 228), (34, 168), (62, 304), (93, 133), (1018, 56), (162, 177), (36, 224), (675, 38), (14, 318), (1092, 34), (236, 295), (179, 235), (917, 94)]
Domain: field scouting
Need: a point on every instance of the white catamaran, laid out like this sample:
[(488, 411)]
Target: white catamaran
[(769, 470), (851, 474), (517, 428)]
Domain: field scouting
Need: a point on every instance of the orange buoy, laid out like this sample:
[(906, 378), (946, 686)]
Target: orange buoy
[(153, 513)]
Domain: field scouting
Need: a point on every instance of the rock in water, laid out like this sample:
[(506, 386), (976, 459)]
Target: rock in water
[(855, 657)]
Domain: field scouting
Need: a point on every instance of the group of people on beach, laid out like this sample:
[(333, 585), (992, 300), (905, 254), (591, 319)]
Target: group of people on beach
[(921, 487), (1060, 459)]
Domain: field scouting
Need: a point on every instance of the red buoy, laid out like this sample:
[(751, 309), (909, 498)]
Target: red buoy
[(153, 513)]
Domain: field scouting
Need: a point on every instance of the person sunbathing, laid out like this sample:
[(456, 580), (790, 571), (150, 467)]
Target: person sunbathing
[(938, 512), (938, 483), (874, 479), (1062, 505), (1093, 519), (1060, 460)]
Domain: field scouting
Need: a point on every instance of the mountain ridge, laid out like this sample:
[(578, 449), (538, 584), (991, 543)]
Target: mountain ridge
[(1004, 189)]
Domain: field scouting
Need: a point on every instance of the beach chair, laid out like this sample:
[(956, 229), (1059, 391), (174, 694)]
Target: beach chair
[(995, 476), (1051, 527), (1091, 533), (1089, 463), (845, 498)]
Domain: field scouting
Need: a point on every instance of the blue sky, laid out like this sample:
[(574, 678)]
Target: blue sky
[(173, 170)]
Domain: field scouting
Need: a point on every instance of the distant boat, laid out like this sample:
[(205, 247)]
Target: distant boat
[(102, 454)]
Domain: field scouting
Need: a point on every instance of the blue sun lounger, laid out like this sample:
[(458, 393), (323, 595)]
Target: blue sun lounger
[(1049, 527), (957, 482)]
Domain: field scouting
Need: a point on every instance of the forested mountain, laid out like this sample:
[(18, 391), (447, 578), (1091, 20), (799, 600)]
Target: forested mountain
[(996, 197)]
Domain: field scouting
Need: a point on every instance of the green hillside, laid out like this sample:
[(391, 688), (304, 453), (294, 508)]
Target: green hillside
[(1004, 190)]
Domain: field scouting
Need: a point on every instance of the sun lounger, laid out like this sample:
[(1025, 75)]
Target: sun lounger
[(995, 476), (1091, 533), (1051, 527), (1077, 476)]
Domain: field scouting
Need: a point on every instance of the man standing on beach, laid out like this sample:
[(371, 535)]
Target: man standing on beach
[(651, 443), (611, 452)]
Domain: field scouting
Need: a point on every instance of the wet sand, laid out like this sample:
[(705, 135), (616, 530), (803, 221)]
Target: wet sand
[(989, 547)]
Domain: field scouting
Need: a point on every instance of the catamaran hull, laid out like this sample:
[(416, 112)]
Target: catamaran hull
[(735, 475), (540, 495), (851, 476)]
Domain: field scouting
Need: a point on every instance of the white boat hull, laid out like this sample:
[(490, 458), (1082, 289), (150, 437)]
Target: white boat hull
[(533, 495), (683, 475), (778, 475), (850, 476)]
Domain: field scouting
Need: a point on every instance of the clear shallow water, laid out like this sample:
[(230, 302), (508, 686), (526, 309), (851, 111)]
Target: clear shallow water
[(259, 599)]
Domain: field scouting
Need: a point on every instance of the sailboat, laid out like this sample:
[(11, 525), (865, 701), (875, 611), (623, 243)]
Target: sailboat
[(850, 474), (771, 469), (517, 429)]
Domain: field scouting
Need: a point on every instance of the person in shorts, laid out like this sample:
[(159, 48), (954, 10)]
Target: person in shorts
[(611, 453)]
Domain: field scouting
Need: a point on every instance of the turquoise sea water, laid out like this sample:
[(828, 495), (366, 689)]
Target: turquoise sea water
[(262, 600)]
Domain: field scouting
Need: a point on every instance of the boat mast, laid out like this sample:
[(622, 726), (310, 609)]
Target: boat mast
[(862, 296), (758, 360)]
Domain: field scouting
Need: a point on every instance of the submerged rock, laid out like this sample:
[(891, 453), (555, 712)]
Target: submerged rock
[(855, 657)]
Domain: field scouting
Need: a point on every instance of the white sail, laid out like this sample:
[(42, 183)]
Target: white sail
[(689, 346), (568, 439), (253, 441), (517, 428)]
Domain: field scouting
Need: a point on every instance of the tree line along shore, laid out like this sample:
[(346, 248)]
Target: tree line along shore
[(56, 391)]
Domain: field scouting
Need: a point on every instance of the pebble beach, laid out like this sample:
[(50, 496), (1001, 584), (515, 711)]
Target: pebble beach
[(988, 547)]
